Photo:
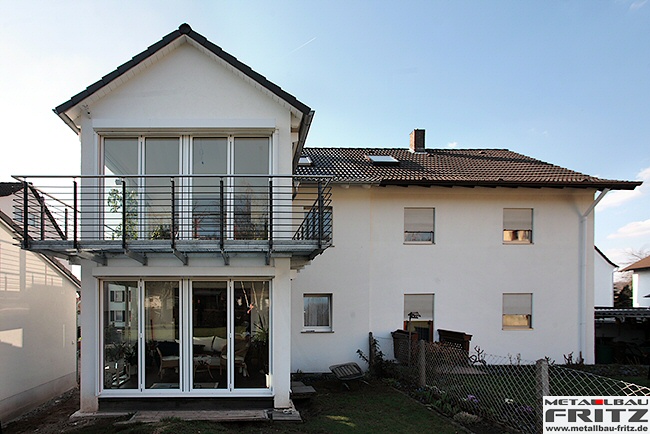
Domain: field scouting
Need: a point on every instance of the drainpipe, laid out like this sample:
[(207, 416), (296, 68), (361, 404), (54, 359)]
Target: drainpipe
[(583, 314)]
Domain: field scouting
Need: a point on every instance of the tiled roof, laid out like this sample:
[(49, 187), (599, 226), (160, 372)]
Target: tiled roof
[(448, 167), (639, 265)]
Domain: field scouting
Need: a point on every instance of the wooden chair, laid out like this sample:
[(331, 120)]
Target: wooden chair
[(166, 362)]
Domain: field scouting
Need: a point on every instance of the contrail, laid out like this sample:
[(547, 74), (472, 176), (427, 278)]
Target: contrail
[(306, 43)]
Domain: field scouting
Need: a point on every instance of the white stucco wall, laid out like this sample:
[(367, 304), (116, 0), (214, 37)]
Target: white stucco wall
[(603, 282), (183, 90), (369, 270), (37, 329), (641, 288)]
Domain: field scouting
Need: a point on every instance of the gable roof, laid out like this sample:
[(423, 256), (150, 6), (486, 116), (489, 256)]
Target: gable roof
[(185, 31), (602, 255), (448, 167), (643, 264), (9, 188)]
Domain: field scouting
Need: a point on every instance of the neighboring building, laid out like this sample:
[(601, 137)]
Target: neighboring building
[(203, 229), (38, 334), (640, 282), (604, 270)]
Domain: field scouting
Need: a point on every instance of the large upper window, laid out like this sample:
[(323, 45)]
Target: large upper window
[(518, 225), (517, 311), (317, 312), (419, 225)]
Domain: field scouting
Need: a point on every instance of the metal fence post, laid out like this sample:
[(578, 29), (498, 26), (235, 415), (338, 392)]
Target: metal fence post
[(371, 351), (542, 389), (422, 363)]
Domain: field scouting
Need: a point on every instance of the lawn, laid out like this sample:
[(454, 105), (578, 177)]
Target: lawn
[(374, 408)]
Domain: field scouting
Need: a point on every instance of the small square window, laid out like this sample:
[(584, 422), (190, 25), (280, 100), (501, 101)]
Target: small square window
[(317, 312), (418, 225), (117, 296), (517, 311), (518, 225)]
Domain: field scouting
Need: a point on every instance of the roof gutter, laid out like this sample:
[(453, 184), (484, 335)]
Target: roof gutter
[(68, 121), (586, 304), (305, 124)]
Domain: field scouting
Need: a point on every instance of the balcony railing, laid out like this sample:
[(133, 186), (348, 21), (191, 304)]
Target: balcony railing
[(104, 215)]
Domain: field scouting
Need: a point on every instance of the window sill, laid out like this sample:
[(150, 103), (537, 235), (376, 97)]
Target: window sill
[(419, 242), (307, 331), (518, 243), (517, 328)]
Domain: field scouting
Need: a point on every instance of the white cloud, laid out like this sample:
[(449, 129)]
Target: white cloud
[(619, 197), (452, 145), (634, 229), (638, 4)]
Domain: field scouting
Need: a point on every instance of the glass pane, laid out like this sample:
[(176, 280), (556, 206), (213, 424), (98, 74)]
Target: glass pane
[(317, 310), (420, 303), (210, 156), (120, 300), (161, 308), (161, 158), (120, 158), (209, 335), (251, 341), (251, 193)]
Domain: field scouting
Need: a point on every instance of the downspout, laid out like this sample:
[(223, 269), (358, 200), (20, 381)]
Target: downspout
[(583, 314)]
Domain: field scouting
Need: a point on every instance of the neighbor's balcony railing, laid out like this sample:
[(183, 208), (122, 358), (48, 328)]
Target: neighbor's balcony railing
[(108, 213)]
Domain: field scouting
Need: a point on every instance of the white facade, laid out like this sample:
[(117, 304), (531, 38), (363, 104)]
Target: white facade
[(38, 334), (603, 281), (641, 288), (182, 92), (370, 268)]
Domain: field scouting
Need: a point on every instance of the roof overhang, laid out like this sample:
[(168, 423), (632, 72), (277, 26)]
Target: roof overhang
[(71, 109)]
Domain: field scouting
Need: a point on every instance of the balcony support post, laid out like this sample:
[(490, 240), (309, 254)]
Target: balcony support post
[(123, 213), (75, 217), (270, 214), (321, 213), (222, 215), (25, 215), (172, 224)]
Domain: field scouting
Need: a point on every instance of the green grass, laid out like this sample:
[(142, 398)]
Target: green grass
[(374, 408)]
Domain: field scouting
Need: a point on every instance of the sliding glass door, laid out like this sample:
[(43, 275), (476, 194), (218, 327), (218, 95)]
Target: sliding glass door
[(185, 336)]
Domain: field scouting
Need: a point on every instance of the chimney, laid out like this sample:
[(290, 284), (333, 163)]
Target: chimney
[(417, 141)]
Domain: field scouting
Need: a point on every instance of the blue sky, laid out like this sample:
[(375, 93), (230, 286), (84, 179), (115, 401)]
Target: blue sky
[(567, 82)]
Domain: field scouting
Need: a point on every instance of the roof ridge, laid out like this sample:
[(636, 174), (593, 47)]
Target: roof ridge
[(183, 30)]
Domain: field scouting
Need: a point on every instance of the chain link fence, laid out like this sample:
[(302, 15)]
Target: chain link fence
[(507, 390)]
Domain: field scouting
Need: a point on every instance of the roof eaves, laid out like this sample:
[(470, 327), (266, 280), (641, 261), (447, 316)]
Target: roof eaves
[(184, 29)]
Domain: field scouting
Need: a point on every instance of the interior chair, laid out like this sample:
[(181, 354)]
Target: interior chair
[(241, 349)]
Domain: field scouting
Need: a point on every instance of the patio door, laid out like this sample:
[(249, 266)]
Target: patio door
[(185, 336)]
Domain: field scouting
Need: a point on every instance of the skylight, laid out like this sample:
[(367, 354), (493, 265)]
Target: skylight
[(382, 160), (305, 161)]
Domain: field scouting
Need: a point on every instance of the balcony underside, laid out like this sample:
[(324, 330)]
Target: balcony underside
[(300, 251)]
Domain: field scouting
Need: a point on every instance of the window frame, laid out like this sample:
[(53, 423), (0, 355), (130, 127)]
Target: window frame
[(433, 226), (306, 328), (515, 233), (526, 312)]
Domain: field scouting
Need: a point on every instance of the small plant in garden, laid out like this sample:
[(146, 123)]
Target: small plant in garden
[(379, 367), (515, 360), (568, 359), (467, 418)]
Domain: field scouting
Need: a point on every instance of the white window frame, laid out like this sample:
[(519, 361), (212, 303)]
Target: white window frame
[(521, 308), (433, 226), (307, 328), (517, 229)]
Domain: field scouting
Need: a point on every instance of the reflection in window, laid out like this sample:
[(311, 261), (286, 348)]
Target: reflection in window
[(517, 311), (317, 312), (251, 344), (120, 335), (161, 310)]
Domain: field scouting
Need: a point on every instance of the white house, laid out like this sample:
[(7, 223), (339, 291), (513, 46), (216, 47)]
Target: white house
[(38, 332), (640, 282), (604, 270), (204, 232)]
